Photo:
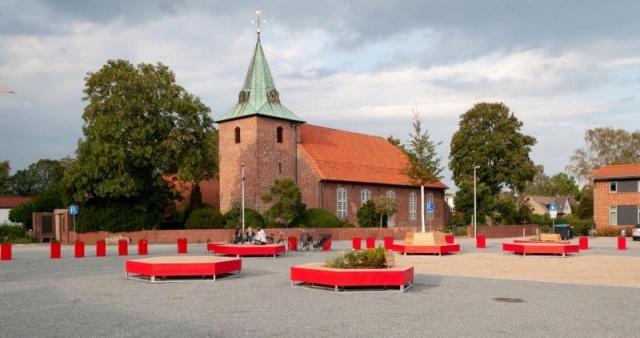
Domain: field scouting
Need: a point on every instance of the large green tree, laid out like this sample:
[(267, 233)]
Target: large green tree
[(604, 146), (489, 137), (139, 126)]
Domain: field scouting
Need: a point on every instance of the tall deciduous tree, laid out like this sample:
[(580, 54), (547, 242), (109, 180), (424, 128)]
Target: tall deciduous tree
[(425, 164), (139, 125), (559, 184), (604, 146), (489, 137)]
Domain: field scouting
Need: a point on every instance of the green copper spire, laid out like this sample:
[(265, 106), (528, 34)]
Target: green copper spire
[(259, 95)]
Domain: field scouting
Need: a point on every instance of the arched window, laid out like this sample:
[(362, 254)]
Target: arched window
[(342, 203), (237, 134), (279, 167), (365, 195), (279, 134), (391, 220), (413, 202)]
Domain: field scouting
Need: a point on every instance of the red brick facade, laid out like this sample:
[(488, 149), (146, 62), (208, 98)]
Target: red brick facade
[(626, 193), (264, 158), (603, 200)]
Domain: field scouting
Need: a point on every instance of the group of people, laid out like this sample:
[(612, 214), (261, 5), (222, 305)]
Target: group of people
[(250, 236)]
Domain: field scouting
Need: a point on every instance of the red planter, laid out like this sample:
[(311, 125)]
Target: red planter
[(316, 274), (584, 243), (622, 243), (448, 239), (388, 243), (293, 243), (326, 246)]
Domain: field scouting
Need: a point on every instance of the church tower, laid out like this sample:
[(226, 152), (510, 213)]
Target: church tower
[(258, 138)]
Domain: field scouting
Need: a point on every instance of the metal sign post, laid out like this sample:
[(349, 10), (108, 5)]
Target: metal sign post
[(73, 211), (553, 212)]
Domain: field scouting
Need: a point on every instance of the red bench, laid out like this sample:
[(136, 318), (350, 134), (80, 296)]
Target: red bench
[(548, 248), (240, 250), (426, 243), (148, 269)]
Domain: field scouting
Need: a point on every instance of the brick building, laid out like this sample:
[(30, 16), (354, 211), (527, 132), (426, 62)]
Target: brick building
[(616, 195), (336, 170)]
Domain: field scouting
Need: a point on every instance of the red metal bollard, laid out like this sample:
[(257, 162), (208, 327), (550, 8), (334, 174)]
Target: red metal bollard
[(182, 245), (356, 243), (448, 239), (481, 242), (101, 248), (388, 243), (622, 243), (56, 249), (326, 246), (79, 249), (584, 243), (293, 243), (371, 243), (123, 247), (5, 252), (142, 247)]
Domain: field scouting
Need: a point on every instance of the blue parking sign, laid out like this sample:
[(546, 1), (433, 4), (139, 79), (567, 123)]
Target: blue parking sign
[(74, 209), (553, 207), (429, 206)]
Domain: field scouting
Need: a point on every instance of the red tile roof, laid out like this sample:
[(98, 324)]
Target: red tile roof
[(8, 202), (338, 155), (617, 171)]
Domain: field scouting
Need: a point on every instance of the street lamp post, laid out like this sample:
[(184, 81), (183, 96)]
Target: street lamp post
[(242, 173), (475, 227)]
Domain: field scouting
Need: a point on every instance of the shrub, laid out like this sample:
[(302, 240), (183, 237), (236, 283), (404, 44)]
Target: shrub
[(233, 218), (368, 217), (319, 218), (11, 232), (116, 216), (205, 218), (363, 259)]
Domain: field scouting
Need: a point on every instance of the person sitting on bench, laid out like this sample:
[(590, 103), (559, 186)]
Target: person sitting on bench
[(261, 237)]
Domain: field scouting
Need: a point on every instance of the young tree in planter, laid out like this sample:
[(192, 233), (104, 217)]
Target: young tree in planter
[(367, 215), (286, 201), (385, 206)]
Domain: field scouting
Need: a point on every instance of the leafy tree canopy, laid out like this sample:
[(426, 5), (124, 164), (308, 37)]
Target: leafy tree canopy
[(37, 178), (489, 137), (559, 184), (5, 170), (604, 146), (139, 125)]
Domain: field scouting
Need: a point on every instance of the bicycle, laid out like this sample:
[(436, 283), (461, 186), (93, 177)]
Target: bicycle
[(283, 240), (320, 242), (305, 241), (593, 233)]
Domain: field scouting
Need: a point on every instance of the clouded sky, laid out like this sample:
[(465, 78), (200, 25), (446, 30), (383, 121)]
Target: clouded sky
[(561, 66)]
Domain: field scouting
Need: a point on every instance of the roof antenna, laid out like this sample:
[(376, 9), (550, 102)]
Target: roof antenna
[(258, 12)]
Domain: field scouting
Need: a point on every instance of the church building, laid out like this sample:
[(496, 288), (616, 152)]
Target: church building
[(260, 140)]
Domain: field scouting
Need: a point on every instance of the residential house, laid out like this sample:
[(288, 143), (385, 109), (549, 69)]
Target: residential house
[(539, 205), (7, 203), (616, 195)]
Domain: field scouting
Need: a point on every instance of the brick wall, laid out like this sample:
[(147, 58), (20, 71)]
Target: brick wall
[(504, 231)]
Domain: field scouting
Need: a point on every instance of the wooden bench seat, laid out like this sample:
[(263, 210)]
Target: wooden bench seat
[(426, 243), (550, 237)]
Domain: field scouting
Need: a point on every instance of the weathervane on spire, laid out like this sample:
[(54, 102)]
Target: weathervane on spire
[(258, 21)]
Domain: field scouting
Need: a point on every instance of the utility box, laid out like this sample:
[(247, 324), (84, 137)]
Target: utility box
[(564, 230)]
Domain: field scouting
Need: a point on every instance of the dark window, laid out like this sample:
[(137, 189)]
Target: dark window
[(279, 134), (237, 130), (613, 186), (280, 167), (627, 186), (627, 214)]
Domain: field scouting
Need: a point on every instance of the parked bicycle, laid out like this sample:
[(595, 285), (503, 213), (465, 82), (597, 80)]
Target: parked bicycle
[(306, 240), (320, 242), (282, 240), (592, 232)]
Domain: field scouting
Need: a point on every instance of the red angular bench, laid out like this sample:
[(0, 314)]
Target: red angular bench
[(539, 248), (240, 250), (149, 269)]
